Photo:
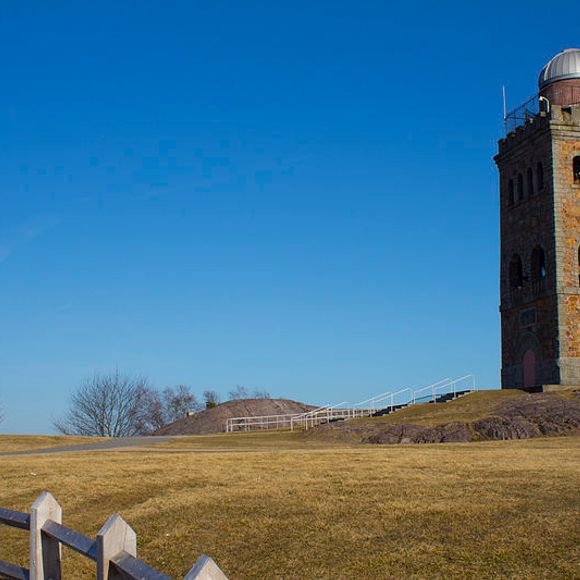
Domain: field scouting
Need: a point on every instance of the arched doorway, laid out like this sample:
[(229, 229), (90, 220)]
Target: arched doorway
[(529, 369)]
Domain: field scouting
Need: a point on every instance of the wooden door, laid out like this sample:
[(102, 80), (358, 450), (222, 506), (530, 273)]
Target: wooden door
[(530, 369)]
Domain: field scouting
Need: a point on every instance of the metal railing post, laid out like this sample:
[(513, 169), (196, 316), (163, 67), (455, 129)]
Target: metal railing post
[(45, 552), (114, 537), (205, 569)]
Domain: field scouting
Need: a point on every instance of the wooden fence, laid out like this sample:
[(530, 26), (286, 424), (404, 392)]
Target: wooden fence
[(114, 549)]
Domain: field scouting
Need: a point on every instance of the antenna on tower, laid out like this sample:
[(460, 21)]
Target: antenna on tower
[(505, 126), (504, 103)]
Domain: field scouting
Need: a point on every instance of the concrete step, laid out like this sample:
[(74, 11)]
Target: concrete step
[(389, 410)]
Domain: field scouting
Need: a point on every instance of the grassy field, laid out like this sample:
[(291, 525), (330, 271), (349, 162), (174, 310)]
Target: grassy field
[(26, 442), (501, 509), (253, 441)]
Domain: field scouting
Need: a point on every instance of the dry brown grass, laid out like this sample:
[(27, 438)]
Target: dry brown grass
[(468, 408), (26, 442), (478, 510), (257, 440)]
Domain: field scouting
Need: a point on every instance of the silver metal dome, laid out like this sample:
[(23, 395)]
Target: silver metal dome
[(565, 65)]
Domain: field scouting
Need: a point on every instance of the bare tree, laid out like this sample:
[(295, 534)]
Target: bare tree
[(258, 394), (211, 398), (110, 405), (153, 416), (178, 402), (167, 407), (238, 393)]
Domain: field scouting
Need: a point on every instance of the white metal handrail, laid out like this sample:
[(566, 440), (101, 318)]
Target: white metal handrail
[(303, 418), (432, 388), (262, 420), (450, 385), (470, 377), (365, 408), (373, 399), (390, 396), (328, 413)]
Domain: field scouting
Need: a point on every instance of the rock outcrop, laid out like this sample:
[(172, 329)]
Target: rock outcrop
[(522, 418), (213, 420)]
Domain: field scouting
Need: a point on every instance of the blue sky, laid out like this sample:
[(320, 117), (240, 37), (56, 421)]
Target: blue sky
[(291, 196)]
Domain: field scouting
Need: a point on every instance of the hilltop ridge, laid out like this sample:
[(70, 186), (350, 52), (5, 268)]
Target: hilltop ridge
[(480, 416), (213, 420)]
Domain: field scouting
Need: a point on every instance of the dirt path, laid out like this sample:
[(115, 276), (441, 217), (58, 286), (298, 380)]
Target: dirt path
[(118, 443)]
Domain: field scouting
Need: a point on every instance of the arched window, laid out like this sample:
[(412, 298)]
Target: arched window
[(511, 193), (516, 273), (538, 264), (576, 168), (530, 182), (540, 177), (520, 187)]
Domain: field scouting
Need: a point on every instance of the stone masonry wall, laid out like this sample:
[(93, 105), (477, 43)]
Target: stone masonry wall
[(543, 317), (566, 139), (525, 224)]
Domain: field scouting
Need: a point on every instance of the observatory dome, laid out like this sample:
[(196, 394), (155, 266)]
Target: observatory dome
[(565, 65)]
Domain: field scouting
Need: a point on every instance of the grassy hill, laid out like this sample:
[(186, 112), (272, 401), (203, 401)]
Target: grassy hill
[(484, 415), (213, 420), (467, 408)]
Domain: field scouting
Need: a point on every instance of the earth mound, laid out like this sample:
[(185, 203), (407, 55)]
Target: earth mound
[(213, 420), (528, 416)]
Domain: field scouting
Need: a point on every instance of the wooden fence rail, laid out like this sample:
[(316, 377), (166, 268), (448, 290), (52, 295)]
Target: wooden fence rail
[(114, 549)]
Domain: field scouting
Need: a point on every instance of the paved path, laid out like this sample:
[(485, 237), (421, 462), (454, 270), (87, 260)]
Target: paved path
[(116, 443)]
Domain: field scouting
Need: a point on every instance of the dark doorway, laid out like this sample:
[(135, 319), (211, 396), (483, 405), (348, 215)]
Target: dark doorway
[(529, 369)]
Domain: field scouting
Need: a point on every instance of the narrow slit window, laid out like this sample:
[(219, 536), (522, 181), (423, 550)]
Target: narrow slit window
[(511, 193), (530, 182), (520, 187), (516, 273), (576, 169), (540, 177)]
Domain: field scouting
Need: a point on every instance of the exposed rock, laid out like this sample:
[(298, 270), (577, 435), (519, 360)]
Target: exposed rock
[(531, 416), (394, 434), (504, 428), (456, 431), (522, 418), (213, 420)]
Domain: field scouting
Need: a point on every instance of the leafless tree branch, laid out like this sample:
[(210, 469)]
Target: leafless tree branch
[(110, 405)]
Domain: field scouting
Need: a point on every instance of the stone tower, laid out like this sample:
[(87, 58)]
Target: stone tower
[(539, 167)]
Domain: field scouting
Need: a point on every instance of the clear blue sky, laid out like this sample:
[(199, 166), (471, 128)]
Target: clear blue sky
[(292, 196)]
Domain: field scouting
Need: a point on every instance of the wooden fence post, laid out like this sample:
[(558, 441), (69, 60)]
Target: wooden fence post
[(205, 569), (45, 552), (114, 537)]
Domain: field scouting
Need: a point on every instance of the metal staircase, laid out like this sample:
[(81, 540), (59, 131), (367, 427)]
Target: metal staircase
[(384, 404)]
